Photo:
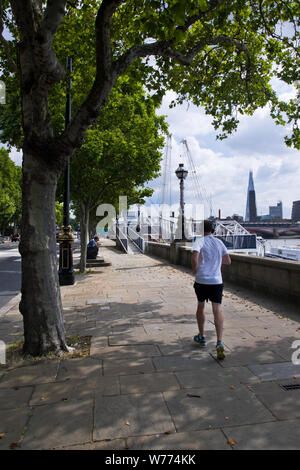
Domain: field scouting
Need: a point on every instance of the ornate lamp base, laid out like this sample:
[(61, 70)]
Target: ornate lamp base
[(66, 271)]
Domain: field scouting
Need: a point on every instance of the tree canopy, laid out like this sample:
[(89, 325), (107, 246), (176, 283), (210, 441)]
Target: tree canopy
[(218, 54), (120, 153), (122, 149), (10, 191)]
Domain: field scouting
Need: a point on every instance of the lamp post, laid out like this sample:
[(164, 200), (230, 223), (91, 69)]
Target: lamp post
[(181, 174), (65, 238)]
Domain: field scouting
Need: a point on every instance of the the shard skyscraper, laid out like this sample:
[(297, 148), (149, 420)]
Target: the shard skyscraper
[(251, 212)]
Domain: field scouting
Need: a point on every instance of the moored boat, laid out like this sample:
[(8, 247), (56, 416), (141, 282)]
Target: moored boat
[(285, 252)]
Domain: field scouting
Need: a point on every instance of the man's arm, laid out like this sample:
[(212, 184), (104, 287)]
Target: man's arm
[(195, 258), (226, 259)]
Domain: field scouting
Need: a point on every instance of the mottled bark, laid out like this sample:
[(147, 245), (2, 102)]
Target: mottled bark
[(41, 305)]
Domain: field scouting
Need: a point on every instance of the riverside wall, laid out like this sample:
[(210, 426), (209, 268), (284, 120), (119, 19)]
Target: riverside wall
[(280, 278)]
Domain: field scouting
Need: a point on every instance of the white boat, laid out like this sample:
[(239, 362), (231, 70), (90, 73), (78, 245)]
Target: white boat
[(285, 252)]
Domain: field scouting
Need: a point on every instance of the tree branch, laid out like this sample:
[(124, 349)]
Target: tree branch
[(164, 49), (26, 16), (103, 83), (103, 40), (53, 16), (214, 4)]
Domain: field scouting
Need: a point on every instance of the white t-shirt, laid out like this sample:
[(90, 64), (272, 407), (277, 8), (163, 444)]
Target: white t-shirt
[(211, 250)]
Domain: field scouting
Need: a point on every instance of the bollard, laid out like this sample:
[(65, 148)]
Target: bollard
[(2, 352)]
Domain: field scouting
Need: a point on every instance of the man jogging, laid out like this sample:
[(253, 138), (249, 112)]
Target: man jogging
[(208, 255)]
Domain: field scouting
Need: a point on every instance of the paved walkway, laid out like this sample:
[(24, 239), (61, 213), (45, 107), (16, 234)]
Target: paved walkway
[(146, 384)]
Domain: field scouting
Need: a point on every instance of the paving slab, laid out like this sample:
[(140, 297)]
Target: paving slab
[(275, 371), (31, 374), (15, 398), (59, 424), (127, 366), (87, 368), (244, 357), (215, 377), (213, 439), (175, 347), (130, 339), (179, 329), (263, 330), (97, 343), (125, 352), (12, 424), (62, 391), (176, 363), (279, 435), (104, 300), (283, 404), (131, 415), (113, 444), (147, 383), (196, 409)]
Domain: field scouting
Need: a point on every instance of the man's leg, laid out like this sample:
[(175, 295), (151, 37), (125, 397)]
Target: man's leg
[(219, 322), (219, 319), (200, 315)]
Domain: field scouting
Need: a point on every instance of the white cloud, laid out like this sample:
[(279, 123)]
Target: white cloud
[(16, 156)]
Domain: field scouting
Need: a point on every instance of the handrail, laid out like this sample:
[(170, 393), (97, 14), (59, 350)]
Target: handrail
[(136, 239), (123, 239)]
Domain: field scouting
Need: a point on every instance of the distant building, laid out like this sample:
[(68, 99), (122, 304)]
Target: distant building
[(266, 217), (276, 211), (296, 211), (238, 218), (251, 212)]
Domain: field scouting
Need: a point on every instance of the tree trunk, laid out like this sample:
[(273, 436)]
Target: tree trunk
[(40, 304), (84, 235)]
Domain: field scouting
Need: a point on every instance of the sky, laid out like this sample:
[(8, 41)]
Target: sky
[(223, 166)]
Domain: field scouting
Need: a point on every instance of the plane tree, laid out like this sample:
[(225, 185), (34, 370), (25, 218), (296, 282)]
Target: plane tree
[(221, 54), (120, 153)]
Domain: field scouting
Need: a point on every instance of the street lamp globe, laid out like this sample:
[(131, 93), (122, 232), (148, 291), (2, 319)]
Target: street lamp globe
[(181, 172)]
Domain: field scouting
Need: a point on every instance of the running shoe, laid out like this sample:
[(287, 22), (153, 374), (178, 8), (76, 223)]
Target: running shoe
[(201, 340), (220, 351)]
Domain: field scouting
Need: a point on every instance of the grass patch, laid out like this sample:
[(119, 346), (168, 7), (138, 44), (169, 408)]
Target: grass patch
[(82, 345), (15, 356), (87, 271)]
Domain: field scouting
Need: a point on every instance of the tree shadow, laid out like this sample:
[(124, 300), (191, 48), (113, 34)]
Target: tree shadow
[(147, 385)]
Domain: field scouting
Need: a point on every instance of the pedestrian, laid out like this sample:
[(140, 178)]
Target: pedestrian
[(93, 248), (94, 241), (208, 255)]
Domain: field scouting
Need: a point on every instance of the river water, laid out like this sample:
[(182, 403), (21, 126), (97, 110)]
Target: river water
[(279, 242)]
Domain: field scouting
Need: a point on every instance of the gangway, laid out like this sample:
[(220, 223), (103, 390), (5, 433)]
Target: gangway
[(237, 239), (137, 242), (128, 240)]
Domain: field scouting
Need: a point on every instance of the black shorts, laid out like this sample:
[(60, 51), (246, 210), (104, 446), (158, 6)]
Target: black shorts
[(212, 292)]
